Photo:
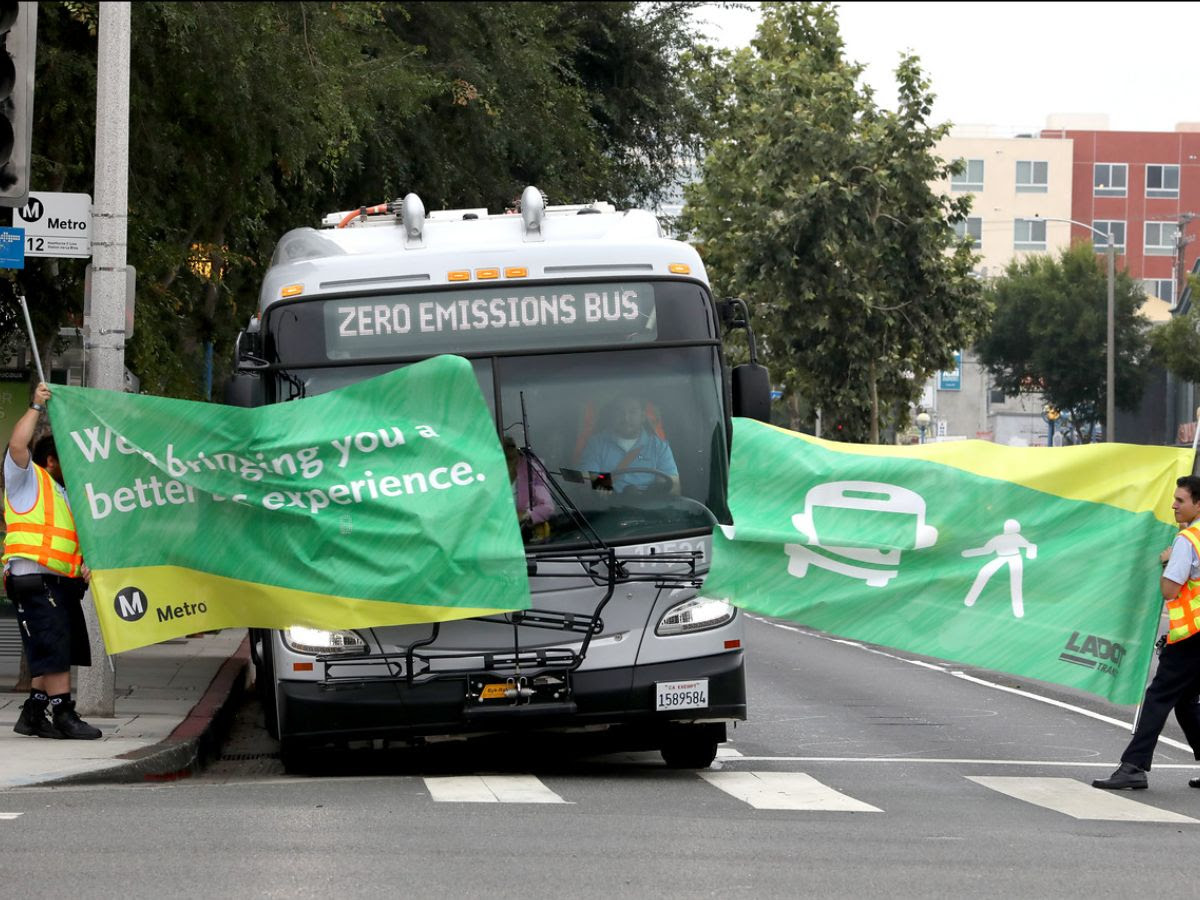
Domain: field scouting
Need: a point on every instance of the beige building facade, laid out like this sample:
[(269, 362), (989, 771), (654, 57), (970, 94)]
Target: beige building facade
[(1014, 183)]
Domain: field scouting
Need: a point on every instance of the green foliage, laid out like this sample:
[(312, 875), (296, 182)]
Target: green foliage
[(247, 119), (1050, 334), (1175, 345), (816, 207)]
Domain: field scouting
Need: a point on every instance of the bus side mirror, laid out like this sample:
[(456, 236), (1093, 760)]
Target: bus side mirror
[(245, 389), (752, 392)]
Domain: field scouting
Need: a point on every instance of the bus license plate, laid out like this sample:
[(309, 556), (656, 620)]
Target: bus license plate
[(682, 694)]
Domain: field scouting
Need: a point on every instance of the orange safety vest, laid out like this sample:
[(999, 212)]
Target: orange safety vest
[(45, 532), (1183, 613)]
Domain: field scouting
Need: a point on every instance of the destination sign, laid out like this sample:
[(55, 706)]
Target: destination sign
[(503, 318)]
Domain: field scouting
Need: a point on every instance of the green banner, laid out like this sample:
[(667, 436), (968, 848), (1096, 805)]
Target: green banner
[(383, 503), (1038, 562)]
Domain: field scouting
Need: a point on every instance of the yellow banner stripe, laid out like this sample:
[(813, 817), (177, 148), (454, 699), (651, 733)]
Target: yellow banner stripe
[(173, 597), (1126, 476)]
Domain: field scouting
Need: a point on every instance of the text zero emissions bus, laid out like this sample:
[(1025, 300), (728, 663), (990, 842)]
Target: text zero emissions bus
[(563, 312)]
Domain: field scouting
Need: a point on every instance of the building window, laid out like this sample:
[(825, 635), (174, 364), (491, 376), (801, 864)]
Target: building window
[(1109, 179), (997, 397), (1108, 226), (1162, 181), (971, 177), (1029, 234), (1162, 288), (1032, 177), (1160, 238), (973, 228)]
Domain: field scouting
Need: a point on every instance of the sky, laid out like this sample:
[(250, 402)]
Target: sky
[(1010, 65)]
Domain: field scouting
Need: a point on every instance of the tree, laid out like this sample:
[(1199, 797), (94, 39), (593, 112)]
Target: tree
[(248, 119), (815, 205), (1050, 335), (1175, 345)]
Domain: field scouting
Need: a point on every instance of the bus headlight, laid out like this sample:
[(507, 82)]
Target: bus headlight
[(316, 641), (697, 614)]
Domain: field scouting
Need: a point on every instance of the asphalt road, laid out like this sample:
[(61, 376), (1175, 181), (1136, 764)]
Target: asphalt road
[(860, 774)]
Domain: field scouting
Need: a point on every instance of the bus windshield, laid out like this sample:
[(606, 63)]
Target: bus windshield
[(629, 432), (636, 440)]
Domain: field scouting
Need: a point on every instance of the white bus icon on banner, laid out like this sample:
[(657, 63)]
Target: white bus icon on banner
[(870, 497)]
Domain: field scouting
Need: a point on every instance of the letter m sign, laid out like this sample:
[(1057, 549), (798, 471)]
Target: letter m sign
[(130, 604)]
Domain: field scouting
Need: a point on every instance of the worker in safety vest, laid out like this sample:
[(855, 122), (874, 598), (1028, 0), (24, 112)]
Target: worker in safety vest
[(45, 579), (1176, 682)]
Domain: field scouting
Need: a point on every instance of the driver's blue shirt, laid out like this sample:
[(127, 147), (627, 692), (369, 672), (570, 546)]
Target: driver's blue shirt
[(604, 454)]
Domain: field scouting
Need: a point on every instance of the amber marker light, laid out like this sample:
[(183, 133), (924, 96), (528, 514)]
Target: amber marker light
[(679, 269), (459, 275), (302, 667), (292, 290), (516, 272), (487, 274)]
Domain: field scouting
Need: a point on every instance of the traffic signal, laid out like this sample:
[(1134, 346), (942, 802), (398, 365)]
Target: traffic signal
[(18, 45)]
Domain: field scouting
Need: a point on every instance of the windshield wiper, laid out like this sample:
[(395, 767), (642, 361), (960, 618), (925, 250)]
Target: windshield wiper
[(580, 521)]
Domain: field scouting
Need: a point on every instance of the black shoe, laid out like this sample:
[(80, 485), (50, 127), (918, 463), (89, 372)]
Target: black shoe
[(33, 721), (1194, 782), (70, 726), (1127, 777)]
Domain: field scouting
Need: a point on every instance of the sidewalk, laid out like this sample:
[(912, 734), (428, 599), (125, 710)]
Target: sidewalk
[(170, 700)]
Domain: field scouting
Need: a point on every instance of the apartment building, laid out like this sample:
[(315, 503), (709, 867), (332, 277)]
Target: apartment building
[(1144, 188), (1021, 194), (1021, 190)]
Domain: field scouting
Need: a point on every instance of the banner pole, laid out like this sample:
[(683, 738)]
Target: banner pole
[(1137, 713), (33, 347)]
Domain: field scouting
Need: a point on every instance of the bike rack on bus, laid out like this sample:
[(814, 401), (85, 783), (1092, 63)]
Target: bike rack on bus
[(520, 668)]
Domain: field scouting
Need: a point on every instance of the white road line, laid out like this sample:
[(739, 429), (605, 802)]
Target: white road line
[(9, 815), (1078, 800), (953, 761), (784, 790), (490, 789), (724, 751), (1128, 726)]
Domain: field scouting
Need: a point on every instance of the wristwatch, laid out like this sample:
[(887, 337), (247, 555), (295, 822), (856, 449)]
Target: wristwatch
[(38, 407)]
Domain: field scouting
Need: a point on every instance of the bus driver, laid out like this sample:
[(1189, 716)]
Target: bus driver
[(630, 451)]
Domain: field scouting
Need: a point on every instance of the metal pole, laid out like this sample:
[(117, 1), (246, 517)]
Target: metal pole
[(104, 330), (33, 346), (1110, 434)]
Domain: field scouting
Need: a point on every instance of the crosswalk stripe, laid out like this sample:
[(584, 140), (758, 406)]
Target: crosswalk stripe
[(9, 815), (784, 790), (490, 789), (1076, 799)]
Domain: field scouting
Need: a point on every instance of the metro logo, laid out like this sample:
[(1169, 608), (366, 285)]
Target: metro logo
[(130, 604)]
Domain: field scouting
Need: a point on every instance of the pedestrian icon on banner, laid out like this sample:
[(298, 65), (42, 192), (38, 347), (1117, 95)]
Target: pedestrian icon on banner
[(1007, 547), (838, 515)]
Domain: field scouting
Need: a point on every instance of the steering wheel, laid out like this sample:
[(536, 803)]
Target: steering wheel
[(662, 483)]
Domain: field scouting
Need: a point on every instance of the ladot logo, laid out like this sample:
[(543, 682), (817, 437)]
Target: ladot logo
[(130, 604), (1093, 652)]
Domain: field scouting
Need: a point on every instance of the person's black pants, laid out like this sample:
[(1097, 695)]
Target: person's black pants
[(1175, 686), (50, 618)]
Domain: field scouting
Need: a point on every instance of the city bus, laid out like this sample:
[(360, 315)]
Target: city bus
[(571, 317)]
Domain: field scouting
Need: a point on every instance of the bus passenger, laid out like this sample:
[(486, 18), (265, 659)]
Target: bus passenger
[(534, 503), (630, 451)]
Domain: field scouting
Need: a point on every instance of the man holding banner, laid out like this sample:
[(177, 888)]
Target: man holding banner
[(1177, 680), (45, 578)]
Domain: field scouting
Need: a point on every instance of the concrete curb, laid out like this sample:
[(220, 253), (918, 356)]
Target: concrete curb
[(194, 741)]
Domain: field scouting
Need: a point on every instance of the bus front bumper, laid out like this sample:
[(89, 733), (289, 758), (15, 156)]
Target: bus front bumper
[(313, 713)]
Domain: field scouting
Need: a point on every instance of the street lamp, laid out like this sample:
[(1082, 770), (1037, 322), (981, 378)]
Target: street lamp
[(922, 423), (1110, 360)]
